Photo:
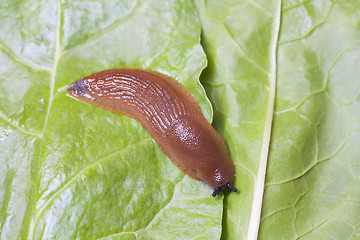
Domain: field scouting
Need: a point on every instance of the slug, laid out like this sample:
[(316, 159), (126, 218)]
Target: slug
[(169, 113)]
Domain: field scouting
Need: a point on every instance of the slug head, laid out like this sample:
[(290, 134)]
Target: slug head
[(77, 88), (218, 190)]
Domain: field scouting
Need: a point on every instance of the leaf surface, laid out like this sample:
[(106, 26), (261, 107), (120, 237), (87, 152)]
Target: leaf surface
[(74, 171), (283, 79), (307, 52)]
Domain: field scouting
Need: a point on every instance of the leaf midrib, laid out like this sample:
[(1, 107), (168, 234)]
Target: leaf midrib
[(259, 184), (57, 56), (53, 71)]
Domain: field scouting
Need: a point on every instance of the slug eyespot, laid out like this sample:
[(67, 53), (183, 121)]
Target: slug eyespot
[(170, 114), (227, 186)]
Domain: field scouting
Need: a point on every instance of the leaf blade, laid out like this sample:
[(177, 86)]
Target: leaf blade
[(92, 173)]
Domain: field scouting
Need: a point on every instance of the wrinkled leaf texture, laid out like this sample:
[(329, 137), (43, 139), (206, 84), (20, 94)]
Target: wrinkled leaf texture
[(70, 170), (283, 79), (302, 57)]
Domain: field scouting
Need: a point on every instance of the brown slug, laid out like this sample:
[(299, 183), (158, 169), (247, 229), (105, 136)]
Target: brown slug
[(169, 113)]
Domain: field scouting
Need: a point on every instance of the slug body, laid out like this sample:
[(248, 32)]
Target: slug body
[(169, 113)]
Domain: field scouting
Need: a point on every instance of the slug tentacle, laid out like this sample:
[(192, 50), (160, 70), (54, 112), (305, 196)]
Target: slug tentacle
[(169, 113)]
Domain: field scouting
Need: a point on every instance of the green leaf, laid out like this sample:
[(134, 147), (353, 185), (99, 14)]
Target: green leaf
[(308, 53), (71, 170), (282, 76)]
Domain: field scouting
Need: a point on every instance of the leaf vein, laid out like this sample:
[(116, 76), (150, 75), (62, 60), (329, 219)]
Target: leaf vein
[(296, 5), (259, 6), (286, 208), (2, 117), (313, 165), (243, 51), (68, 183), (149, 224), (324, 89), (311, 30), (237, 225), (106, 29), (332, 213), (12, 55), (57, 56)]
